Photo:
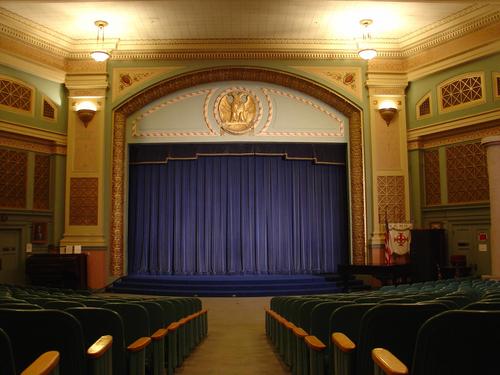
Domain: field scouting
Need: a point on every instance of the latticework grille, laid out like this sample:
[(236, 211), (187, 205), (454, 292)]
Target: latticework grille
[(13, 172), (461, 91), (41, 188), (467, 173), (15, 95), (83, 203), (432, 178), (391, 199)]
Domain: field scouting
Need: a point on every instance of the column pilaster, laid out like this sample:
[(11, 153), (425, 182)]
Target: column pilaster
[(492, 145), (389, 158)]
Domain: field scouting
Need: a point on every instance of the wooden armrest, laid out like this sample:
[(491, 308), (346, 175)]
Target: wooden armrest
[(299, 332), (44, 364), (183, 321), (314, 343), (388, 362), (139, 344), (159, 334), (173, 326), (101, 346), (290, 326), (343, 342)]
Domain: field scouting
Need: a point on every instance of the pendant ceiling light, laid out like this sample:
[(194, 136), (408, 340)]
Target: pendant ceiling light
[(100, 54), (366, 52)]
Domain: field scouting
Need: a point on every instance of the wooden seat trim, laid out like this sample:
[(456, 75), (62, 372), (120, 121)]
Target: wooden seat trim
[(44, 364), (139, 344), (314, 343), (343, 342), (100, 347), (159, 334), (388, 362), (299, 332)]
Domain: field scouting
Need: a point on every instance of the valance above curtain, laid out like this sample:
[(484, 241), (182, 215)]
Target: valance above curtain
[(321, 153)]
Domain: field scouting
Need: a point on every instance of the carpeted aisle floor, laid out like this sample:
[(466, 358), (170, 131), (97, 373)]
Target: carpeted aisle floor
[(236, 342)]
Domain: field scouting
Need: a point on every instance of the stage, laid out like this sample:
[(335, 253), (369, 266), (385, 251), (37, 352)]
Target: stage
[(232, 285)]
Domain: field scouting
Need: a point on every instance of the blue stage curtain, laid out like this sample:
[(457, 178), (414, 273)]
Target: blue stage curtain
[(237, 215)]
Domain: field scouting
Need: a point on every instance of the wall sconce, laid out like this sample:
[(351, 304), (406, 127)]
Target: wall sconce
[(387, 110), (86, 111)]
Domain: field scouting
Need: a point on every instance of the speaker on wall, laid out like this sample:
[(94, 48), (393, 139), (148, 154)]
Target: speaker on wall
[(427, 253)]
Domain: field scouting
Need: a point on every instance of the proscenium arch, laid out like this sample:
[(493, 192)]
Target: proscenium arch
[(191, 79)]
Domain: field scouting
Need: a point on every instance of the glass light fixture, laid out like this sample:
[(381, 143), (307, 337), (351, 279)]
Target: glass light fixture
[(366, 53), (100, 54)]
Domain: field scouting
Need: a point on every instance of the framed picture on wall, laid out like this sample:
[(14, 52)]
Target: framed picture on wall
[(39, 234)]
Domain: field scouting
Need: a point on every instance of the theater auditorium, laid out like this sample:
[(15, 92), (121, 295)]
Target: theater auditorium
[(306, 187)]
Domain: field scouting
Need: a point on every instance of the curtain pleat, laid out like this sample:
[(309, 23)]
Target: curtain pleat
[(237, 215)]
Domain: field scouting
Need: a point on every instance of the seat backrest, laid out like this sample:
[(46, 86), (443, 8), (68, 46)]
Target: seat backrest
[(34, 332), (347, 319), (97, 322), (305, 313), (135, 320), (21, 306), (62, 305), (393, 327), (168, 309), (320, 318), (6, 356), (156, 314), (458, 342), (482, 305)]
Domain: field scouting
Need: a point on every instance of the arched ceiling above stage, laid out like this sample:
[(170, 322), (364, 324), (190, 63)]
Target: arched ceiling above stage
[(242, 111)]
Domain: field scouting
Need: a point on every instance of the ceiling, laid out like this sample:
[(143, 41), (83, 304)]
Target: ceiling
[(148, 25)]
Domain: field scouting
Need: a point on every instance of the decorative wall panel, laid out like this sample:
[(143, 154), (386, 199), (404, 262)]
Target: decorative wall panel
[(461, 91), (496, 85), (432, 177), (467, 173), (41, 182), (49, 109), (15, 95), (13, 172), (83, 204), (391, 199), (424, 107)]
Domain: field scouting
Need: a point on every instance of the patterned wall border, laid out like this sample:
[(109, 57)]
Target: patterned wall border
[(466, 134), (184, 81), (27, 143)]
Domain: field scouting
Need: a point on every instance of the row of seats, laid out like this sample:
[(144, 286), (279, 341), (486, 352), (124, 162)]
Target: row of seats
[(93, 334), (337, 333)]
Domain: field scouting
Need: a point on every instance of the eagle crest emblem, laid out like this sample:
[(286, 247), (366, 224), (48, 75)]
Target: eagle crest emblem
[(237, 111)]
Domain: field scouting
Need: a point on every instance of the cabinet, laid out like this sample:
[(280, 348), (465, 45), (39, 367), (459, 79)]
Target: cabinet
[(57, 270), (428, 252)]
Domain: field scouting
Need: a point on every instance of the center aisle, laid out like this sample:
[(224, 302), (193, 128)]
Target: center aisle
[(236, 341)]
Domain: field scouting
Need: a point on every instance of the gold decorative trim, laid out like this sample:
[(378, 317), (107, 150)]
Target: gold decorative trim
[(346, 78), (29, 143), (125, 80), (358, 239), (459, 135)]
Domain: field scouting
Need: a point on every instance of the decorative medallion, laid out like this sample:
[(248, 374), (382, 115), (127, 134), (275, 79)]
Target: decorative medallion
[(237, 110)]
